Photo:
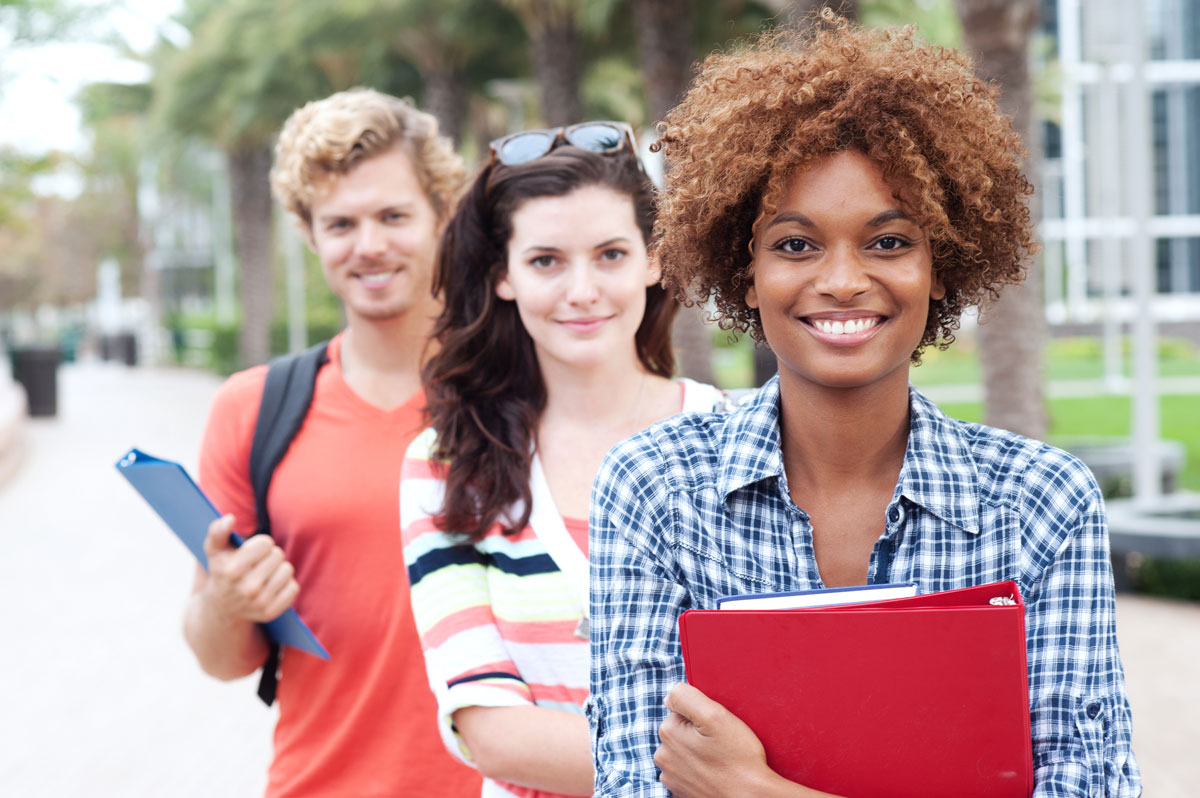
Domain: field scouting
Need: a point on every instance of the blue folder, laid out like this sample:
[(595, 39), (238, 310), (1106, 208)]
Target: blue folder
[(179, 501)]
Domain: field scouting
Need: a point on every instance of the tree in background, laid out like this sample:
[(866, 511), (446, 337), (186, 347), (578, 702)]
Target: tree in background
[(249, 63), (440, 53), (236, 83), (1012, 332), (33, 21), (53, 247), (664, 34), (556, 52), (52, 244), (23, 218), (558, 31), (937, 20), (252, 62), (114, 115)]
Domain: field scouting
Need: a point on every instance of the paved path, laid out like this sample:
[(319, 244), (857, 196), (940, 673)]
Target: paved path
[(99, 696)]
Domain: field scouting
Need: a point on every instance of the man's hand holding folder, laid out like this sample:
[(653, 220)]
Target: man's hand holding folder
[(254, 581), (245, 588), (248, 583)]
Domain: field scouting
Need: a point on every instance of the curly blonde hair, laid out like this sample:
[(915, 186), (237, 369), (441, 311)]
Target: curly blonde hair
[(777, 103), (331, 136)]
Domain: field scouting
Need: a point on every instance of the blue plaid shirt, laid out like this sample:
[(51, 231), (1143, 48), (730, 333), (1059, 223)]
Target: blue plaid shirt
[(698, 507)]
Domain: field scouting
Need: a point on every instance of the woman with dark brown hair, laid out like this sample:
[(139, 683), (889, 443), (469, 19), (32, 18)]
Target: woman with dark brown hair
[(554, 345), (843, 195)]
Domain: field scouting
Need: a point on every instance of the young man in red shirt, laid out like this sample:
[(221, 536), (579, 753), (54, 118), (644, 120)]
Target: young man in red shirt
[(371, 183)]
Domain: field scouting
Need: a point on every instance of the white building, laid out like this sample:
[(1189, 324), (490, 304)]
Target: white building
[(1089, 226)]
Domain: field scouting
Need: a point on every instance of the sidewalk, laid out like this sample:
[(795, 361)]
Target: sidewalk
[(100, 697)]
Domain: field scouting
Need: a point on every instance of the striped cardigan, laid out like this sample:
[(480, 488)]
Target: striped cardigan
[(498, 619)]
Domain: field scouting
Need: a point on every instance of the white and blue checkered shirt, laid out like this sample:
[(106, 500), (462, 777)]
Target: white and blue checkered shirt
[(698, 507)]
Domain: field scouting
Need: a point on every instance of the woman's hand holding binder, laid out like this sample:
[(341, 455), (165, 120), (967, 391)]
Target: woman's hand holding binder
[(707, 751)]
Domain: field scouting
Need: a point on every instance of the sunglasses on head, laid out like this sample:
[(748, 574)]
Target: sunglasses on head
[(603, 138)]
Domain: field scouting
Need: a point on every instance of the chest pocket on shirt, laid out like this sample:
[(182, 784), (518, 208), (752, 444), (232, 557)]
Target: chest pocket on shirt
[(941, 556), (720, 563)]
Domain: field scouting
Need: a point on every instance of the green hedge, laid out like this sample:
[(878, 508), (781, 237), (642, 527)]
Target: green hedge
[(201, 342), (1175, 578)]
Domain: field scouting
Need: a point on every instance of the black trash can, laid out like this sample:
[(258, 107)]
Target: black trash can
[(35, 368), (126, 349)]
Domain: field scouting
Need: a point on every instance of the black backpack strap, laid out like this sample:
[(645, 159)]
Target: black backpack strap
[(286, 397)]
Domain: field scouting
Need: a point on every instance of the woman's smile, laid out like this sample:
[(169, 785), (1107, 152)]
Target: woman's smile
[(842, 329), (586, 324)]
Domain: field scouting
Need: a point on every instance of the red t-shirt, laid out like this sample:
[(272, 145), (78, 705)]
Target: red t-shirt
[(363, 724)]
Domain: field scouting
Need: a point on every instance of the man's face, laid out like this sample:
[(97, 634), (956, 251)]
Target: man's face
[(376, 233)]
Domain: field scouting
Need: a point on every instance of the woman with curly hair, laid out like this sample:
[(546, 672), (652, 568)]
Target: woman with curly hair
[(843, 196), (554, 344)]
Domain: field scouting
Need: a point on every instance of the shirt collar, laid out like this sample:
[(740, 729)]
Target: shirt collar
[(938, 472), (751, 450)]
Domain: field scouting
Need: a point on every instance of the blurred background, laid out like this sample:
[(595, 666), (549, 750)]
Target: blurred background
[(141, 260)]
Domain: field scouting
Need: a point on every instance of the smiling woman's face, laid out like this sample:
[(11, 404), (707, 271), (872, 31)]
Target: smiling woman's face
[(578, 271), (843, 277)]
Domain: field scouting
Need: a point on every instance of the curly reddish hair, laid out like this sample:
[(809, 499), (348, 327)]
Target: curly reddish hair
[(332, 136), (781, 101)]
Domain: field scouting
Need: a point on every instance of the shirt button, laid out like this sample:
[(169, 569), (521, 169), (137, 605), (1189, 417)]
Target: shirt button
[(1093, 709), (895, 514)]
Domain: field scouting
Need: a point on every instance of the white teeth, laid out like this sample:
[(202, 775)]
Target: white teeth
[(374, 280), (844, 327)]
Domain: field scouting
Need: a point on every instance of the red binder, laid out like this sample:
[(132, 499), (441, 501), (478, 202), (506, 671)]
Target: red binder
[(921, 697)]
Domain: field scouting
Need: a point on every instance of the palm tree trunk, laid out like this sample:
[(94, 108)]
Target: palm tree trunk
[(664, 44), (446, 98), (251, 199), (1012, 332), (664, 31), (557, 67)]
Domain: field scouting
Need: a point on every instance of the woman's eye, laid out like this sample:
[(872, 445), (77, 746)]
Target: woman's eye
[(793, 246), (891, 243), (612, 254), (542, 261), (338, 226), (395, 217)]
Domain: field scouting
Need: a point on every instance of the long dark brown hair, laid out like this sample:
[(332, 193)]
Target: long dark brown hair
[(484, 388)]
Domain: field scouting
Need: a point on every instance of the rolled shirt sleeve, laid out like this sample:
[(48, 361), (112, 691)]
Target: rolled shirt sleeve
[(466, 658), (1080, 716), (636, 598)]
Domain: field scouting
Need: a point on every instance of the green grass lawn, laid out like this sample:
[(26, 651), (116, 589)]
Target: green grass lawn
[(1109, 416), (1102, 416), (1076, 358)]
